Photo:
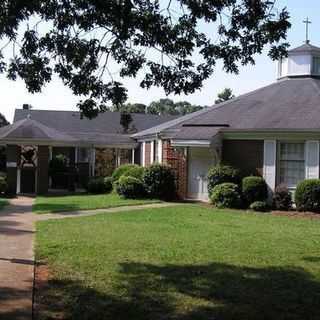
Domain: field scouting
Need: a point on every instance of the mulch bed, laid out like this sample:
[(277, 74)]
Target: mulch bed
[(296, 214)]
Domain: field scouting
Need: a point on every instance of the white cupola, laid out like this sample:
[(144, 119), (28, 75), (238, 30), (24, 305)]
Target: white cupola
[(303, 61)]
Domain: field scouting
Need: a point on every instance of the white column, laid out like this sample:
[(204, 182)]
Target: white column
[(143, 155), (93, 161), (132, 156), (269, 163), (312, 159), (152, 152), (118, 157), (18, 180), (159, 150)]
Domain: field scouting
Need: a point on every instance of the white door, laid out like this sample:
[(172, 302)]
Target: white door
[(199, 162)]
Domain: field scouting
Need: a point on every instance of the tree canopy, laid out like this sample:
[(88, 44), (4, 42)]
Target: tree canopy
[(80, 41), (224, 95)]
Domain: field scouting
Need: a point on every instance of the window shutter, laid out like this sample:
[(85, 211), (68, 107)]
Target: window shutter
[(312, 159), (269, 163)]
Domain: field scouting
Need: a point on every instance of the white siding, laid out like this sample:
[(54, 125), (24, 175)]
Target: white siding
[(269, 163), (312, 159)]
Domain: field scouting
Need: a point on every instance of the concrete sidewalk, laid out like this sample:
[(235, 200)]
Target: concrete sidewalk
[(85, 213), (16, 259)]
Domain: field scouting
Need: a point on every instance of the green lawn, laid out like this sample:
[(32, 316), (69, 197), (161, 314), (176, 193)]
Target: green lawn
[(83, 202), (186, 262)]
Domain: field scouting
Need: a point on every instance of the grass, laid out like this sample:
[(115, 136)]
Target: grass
[(185, 262), (83, 202)]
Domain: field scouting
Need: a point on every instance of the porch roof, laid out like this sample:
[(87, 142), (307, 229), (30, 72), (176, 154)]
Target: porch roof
[(32, 131)]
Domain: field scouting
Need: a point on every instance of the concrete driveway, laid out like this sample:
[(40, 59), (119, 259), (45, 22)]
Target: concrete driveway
[(16, 259)]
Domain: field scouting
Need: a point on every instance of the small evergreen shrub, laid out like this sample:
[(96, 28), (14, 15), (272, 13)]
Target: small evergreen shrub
[(97, 185), (226, 195), (220, 174), (136, 172), (130, 187), (254, 189), (3, 184), (159, 182), (307, 195), (260, 206), (108, 184), (282, 199), (118, 172)]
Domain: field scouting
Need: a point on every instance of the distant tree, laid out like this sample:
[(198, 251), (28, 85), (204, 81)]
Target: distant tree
[(79, 40), (132, 108), (169, 107), (162, 107), (3, 120), (224, 95), (125, 121), (185, 107)]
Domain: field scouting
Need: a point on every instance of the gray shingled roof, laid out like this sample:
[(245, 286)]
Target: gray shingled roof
[(107, 122), (289, 104), (306, 47), (31, 129)]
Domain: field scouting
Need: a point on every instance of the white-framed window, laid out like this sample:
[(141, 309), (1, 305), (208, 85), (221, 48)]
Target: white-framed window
[(291, 163), (316, 65)]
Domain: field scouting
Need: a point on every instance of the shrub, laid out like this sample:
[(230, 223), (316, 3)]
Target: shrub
[(98, 185), (307, 195), (260, 206), (254, 189), (118, 172), (159, 182), (220, 174), (3, 185), (108, 184), (136, 172), (282, 199), (130, 187), (226, 195)]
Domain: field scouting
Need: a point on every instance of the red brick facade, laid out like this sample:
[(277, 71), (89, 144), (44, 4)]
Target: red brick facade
[(177, 160), (147, 154)]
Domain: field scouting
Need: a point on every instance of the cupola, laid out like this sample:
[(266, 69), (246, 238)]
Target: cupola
[(303, 61)]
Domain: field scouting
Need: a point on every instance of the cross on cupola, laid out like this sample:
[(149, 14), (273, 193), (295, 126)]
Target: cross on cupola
[(307, 22)]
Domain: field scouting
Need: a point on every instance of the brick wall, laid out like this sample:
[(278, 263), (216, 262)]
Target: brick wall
[(177, 160), (147, 154), (43, 170), (13, 156), (246, 155)]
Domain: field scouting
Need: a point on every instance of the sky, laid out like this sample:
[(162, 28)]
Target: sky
[(55, 96)]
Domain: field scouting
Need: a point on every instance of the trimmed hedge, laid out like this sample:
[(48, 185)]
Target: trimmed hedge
[(118, 172), (259, 206), (282, 199), (130, 187), (226, 195), (159, 182), (99, 185), (254, 189), (307, 195), (221, 174), (3, 184)]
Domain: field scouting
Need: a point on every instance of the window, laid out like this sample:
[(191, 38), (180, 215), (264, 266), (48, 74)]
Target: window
[(316, 65), (82, 155), (292, 163)]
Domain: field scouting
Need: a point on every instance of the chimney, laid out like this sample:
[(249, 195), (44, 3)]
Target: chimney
[(26, 106)]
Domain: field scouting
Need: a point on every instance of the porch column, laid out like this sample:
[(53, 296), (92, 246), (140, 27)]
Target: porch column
[(43, 170), (269, 163), (13, 159), (132, 155)]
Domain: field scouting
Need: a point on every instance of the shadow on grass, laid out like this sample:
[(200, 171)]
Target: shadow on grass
[(54, 207), (213, 291)]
